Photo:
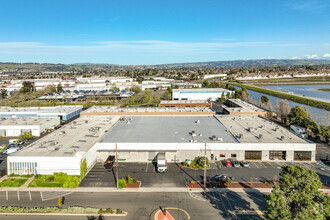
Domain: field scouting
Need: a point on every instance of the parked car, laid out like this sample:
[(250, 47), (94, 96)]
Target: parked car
[(108, 164), (236, 163), (245, 163), (227, 163), (222, 176)]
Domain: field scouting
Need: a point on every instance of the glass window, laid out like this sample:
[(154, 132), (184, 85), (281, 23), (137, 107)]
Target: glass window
[(222, 155)]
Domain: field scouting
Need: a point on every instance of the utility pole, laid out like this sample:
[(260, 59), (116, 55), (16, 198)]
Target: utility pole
[(116, 166)]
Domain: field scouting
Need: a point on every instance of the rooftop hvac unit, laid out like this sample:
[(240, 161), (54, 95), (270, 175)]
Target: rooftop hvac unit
[(219, 139), (260, 136), (86, 121), (193, 133), (214, 138), (276, 129), (282, 138), (198, 122), (240, 136)]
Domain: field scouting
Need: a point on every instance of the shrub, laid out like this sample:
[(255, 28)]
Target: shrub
[(50, 178), (198, 162), (184, 163), (60, 202), (119, 211), (122, 183), (129, 179), (192, 182), (134, 180)]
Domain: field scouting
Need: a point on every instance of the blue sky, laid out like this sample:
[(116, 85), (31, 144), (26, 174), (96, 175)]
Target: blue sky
[(157, 31)]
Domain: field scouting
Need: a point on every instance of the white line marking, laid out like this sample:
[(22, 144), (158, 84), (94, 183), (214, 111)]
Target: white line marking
[(30, 196), (6, 195), (256, 165), (41, 196), (254, 197), (271, 165), (147, 167), (18, 195)]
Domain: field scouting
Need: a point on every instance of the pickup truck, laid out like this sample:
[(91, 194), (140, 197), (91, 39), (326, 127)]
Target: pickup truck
[(108, 164)]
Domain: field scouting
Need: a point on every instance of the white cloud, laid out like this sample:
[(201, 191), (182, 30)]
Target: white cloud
[(313, 56), (326, 55), (294, 58)]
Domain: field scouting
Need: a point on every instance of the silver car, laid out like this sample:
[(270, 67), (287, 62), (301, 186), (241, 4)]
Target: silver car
[(245, 163), (236, 163)]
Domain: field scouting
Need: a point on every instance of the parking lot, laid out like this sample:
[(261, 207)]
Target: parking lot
[(176, 176)]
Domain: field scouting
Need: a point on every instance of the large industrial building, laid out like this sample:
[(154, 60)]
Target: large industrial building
[(11, 127), (240, 107), (65, 112), (212, 94), (139, 135)]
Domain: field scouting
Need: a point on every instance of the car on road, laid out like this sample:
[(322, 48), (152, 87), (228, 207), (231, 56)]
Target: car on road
[(222, 176), (227, 163), (236, 163), (245, 163)]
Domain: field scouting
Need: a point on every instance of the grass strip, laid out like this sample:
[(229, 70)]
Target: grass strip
[(13, 182)]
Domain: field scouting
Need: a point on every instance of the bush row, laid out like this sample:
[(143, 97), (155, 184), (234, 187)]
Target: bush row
[(73, 209)]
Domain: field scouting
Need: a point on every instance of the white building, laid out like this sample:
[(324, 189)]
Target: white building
[(14, 127), (199, 94), (210, 76), (65, 112)]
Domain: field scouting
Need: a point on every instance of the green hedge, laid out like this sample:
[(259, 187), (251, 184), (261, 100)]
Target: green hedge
[(306, 101)]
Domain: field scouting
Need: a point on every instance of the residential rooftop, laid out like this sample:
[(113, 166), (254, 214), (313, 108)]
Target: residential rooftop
[(256, 129), (168, 129), (28, 121), (74, 138)]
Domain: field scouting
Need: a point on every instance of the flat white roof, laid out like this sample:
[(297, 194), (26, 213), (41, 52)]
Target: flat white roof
[(28, 121), (62, 109), (256, 129), (103, 109), (184, 102), (242, 106), (73, 138), (202, 90)]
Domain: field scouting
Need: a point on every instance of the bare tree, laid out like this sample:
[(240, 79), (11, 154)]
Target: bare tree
[(278, 108), (285, 110)]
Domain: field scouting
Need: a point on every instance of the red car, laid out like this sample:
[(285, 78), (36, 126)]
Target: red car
[(227, 163)]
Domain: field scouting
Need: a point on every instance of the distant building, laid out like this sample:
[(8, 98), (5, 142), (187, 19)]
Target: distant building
[(199, 94), (185, 104), (215, 75), (65, 112), (11, 127)]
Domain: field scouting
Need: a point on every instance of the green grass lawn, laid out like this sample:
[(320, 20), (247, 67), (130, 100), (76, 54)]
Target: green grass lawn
[(12, 182), (40, 183), (324, 90)]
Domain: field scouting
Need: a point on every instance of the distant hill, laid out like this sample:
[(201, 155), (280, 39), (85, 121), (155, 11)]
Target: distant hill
[(40, 67), (249, 63)]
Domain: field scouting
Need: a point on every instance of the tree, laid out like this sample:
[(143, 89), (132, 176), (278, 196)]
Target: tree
[(223, 98), (325, 133), (52, 89), (3, 93), (135, 89), (26, 135), (298, 196), (278, 107), (285, 110), (297, 115), (59, 87), (29, 85), (264, 100)]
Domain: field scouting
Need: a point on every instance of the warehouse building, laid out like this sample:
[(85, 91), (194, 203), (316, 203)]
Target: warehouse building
[(65, 112), (199, 94), (140, 137), (62, 150), (13, 127)]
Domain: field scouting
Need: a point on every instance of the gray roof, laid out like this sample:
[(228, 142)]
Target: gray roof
[(167, 129)]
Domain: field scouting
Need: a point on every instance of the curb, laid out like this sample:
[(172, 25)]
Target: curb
[(64, 214)]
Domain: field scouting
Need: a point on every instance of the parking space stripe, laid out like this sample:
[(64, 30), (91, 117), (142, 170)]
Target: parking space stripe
[(271, 165), (261, 163), (18, 195), (41, 197), (255, 164), (30, 196), (147, 167), (6, 195)]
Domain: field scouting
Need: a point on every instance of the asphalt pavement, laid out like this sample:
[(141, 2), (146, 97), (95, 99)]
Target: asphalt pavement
[(204, 205)]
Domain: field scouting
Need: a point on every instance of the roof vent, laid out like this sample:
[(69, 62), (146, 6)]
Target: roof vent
[(260, 136), (198, 122)]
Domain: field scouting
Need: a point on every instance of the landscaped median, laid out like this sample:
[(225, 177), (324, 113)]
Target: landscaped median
[(13, 182), (74, 210), (56, 180)]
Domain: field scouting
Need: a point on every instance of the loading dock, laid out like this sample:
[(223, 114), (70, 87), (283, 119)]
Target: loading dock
[(302, 156), (253, 155)]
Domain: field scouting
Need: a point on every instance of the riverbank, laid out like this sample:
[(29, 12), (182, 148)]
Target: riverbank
[(283, 95)]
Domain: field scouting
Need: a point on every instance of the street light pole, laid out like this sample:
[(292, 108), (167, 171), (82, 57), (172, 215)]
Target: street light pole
[(116, 166)]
